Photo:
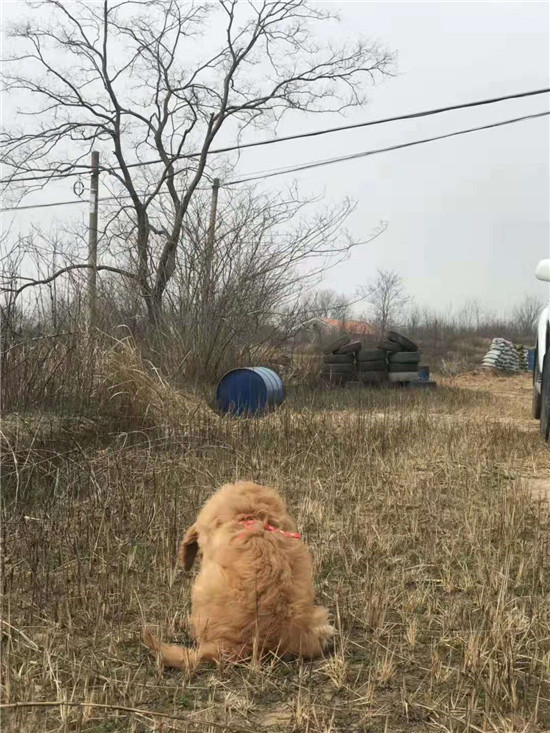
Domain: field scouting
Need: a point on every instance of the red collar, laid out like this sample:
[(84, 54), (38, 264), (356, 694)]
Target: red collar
[(249, 523)]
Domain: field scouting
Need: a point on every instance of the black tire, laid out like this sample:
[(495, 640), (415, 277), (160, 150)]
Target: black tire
[(405, 357), (403, 368), (378, 360), (388, 345), (339, 359), (340, 369), (372, 366), (335, 345), (403, 341), (352, 348), (545, 399), (371, 355), (536, 403)]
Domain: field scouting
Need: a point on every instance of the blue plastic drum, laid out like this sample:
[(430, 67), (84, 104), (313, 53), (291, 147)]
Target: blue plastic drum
[(423, 373), (250, 391)]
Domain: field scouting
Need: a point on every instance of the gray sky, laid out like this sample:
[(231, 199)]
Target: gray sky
[(467, 217)]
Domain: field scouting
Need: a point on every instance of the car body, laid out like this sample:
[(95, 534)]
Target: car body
[(541, 370)]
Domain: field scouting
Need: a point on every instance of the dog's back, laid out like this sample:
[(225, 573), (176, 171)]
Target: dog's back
[(255, 589)]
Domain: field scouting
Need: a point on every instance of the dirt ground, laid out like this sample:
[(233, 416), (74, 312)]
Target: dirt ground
[(514, 395), (515, 389)]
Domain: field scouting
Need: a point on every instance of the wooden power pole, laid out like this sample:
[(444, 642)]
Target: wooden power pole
[(210, 242), (92, 242)]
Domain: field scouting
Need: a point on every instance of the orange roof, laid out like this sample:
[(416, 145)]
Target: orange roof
[(349, 326)]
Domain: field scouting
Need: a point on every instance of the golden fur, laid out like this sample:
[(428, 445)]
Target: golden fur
[(254, 592)]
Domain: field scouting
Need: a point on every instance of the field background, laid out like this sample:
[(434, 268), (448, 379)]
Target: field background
[(425, 512)]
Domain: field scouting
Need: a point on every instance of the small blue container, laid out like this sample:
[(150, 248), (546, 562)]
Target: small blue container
[(531, 359), (423, 373), (250, 391)]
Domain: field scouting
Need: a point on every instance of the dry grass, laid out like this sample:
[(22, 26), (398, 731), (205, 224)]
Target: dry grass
[(138, 391), (430, 551)]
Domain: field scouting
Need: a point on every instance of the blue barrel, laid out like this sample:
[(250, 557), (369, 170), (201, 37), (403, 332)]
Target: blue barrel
[(423, 373), (531, 359), (249, 391)]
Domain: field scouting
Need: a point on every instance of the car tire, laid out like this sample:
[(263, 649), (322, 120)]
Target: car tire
[(536, 404), (406, 357), (403, 341), (335, 345), (372, 366), (403, 368), (350, 348), (388, 345), (545, 399), (339, 359), (371, 355)]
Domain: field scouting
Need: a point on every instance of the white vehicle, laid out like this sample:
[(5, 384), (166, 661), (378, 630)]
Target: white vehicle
[(541, 372)]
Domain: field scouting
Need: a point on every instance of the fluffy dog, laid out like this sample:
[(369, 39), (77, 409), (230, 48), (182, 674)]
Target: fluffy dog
[(254, 592)]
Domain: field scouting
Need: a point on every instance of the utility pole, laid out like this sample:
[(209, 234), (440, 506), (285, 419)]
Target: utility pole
[(92, 243), (210, 241)]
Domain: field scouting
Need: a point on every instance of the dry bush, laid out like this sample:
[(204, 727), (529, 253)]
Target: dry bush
[(429, 550), (135, 389), (306, 368), (455, 344), (47, 372)]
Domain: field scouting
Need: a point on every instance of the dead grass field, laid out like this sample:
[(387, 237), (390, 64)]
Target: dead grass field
[(431, 545)]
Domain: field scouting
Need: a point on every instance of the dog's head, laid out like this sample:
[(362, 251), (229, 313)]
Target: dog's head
[(230, 504)]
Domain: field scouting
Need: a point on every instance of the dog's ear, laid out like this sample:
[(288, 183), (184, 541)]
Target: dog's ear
[(189, 547)]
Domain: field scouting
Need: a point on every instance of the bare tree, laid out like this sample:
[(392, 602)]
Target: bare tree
[(328, 303), (387, 299), (471, 315), (136, 81), (525, 315), (267, 249)]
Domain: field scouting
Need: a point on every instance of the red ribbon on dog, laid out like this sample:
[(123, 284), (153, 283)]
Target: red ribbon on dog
[(249, 522)]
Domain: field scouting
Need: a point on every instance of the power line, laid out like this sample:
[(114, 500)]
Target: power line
[(297, 136), (314, 164), (59, 203), (353, 156), (103, 199)]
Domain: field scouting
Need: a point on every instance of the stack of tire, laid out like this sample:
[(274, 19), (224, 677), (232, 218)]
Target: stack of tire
[(403, 358), (372, 366), (339, 361), (396, 360)]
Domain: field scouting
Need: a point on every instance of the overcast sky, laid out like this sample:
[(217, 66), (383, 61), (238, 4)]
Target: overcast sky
[(467, 217)]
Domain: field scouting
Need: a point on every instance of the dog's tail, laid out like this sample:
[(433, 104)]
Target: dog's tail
[(173, 655)]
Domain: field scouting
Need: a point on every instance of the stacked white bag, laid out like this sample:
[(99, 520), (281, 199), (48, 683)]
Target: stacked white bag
[(522, 357), (503, 356)]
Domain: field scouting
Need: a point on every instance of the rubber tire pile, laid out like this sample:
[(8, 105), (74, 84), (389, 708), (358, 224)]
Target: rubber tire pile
[(395, 361)]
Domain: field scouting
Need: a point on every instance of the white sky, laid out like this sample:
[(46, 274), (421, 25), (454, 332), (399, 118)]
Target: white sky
[(468, 217)]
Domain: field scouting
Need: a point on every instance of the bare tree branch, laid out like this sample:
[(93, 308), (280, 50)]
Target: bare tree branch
[(17, 291), (134, 79)]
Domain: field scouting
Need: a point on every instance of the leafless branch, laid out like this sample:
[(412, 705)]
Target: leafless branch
[(33, 283), (133, 80)]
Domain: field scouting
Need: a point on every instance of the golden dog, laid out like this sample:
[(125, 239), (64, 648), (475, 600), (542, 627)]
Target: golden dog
[(254, 592)]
